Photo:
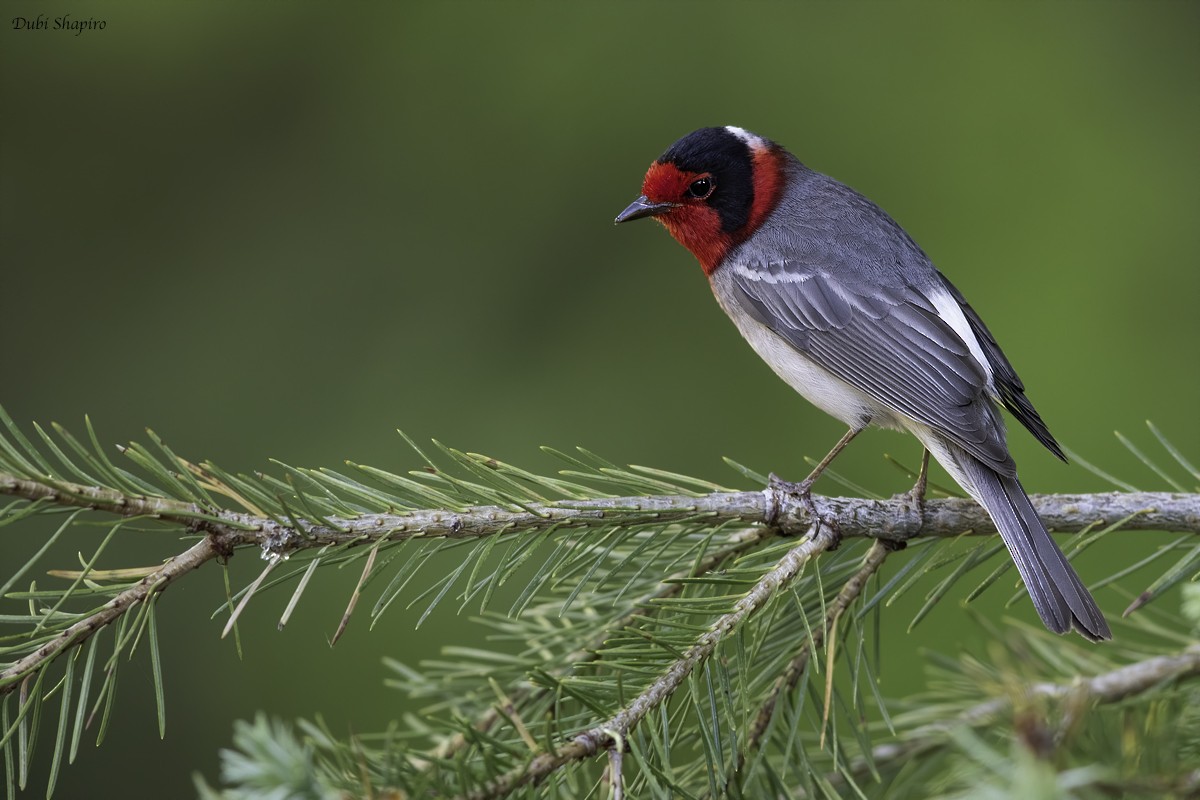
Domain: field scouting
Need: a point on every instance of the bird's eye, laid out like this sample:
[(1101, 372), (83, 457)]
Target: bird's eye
[(701, 188)]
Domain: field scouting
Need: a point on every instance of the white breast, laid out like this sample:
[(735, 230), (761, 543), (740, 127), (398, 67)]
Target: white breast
[(825, 391)]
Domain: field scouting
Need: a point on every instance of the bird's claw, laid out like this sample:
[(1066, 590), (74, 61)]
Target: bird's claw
[(914, 498), (802, 491)]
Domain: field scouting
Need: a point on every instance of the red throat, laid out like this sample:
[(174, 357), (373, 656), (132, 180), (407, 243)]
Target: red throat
[(696, 225), (699, 230)]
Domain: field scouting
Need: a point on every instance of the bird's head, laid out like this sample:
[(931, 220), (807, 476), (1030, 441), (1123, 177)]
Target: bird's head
[(711, 190)]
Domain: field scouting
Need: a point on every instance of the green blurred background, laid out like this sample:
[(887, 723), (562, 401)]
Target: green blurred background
[(283, 230)]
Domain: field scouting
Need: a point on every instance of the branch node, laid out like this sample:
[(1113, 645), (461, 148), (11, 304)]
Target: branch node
[(222, 546), (589, 742), (771, 506)]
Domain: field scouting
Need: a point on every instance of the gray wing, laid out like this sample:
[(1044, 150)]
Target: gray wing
[(886, 341)]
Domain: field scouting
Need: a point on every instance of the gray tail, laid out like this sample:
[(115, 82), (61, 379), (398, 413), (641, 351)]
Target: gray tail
[(1061, 599)]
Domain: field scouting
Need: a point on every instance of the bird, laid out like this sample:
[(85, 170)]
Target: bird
[(851, 313)]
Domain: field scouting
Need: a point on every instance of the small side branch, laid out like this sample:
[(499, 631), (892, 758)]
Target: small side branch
[(190, 559), (1108, 687), (741, 543), (795, 669), (600, 737)]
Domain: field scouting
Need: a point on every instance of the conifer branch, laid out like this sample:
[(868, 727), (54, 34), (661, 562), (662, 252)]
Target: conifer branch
[(670, 587), (895, 520), (1107, 687), (600, 737), (204, 550), (607, 639), (787, 681)]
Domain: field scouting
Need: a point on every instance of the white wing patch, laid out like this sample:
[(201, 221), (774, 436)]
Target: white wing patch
[(765, 274), (948, 309)]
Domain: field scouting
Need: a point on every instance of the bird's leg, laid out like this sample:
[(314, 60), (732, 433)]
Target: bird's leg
[(803, 490), (917, 493), (914, 498)]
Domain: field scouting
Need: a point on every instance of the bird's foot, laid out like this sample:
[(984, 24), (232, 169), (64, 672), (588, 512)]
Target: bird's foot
[(802, 491), (914, 498)]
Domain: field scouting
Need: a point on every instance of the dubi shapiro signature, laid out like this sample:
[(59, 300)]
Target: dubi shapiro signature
[(64, 23)]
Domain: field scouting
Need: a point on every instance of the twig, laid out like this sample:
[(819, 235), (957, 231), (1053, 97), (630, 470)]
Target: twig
[(592, 741), (741, 542), (616, 779), (1107, 687), (795, 668), (81, 631)]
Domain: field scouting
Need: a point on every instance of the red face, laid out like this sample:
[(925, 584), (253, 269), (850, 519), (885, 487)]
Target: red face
[(692, 221)]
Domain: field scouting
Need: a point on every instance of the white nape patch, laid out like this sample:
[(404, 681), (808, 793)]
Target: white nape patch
[(950, 312), (746, 136), (764, 275)]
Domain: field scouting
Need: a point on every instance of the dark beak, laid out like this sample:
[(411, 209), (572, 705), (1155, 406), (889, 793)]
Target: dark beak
[(642, 207)]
